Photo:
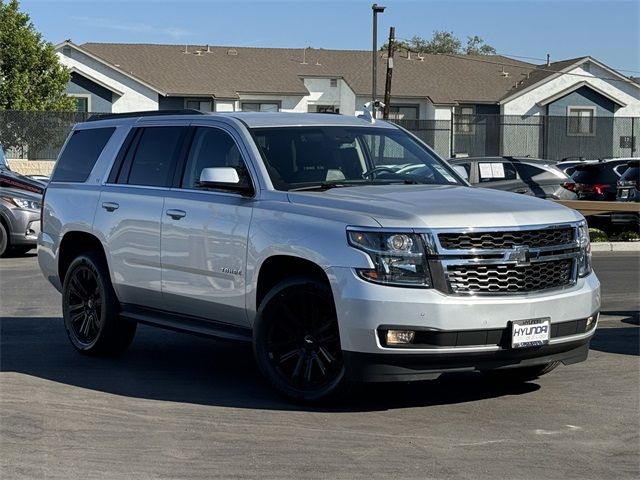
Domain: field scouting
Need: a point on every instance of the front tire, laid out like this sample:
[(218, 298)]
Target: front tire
[(91, 310), (296, 340)]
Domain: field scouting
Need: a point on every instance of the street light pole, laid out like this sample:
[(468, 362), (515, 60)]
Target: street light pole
[(374, 55)]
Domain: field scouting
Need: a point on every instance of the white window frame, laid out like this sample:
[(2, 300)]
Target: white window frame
[(83, 95), (277, 103), (465, 127), (573, 108), (395, 115), (200, 100)]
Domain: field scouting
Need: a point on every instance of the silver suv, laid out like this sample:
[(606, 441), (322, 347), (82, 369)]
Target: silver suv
[(345, 250)]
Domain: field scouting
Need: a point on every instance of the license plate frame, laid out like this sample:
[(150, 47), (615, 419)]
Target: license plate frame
[(533, 332)]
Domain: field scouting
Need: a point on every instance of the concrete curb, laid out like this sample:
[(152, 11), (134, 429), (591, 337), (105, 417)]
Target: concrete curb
[(615, 247)]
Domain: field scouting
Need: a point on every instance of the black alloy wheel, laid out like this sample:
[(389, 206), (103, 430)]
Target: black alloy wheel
[(91, 310), (84, 305), (297, 341)]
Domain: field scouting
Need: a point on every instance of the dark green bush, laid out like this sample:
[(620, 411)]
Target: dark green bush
[(597, 235), (629, 237)]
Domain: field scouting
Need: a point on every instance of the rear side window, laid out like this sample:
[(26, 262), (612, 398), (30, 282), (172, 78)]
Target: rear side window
[(632, 173), (595, 174), (155, 157), (81, 154)]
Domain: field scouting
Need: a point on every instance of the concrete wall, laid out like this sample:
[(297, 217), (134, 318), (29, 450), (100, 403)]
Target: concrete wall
[(135, 95), (32, 167)]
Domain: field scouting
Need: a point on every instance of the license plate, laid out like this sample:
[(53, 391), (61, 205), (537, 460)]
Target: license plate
[(624, 193), (530, 333)]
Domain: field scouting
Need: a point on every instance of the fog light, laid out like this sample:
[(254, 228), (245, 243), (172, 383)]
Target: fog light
[(592, 320), (399, 337)]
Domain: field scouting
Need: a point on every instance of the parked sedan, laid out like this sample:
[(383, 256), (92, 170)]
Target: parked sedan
[(529, 176), (628, 191)]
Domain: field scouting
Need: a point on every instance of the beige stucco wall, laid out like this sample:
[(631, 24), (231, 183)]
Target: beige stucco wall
[(32, 167)]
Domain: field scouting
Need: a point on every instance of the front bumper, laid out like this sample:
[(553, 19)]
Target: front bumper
[(370, 367), (363, 307), (24, 226)]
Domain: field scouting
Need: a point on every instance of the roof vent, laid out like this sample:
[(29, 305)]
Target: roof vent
[(232, 51), (209, 49), (503, 73), (186, 50), (199, 53), (419, 57)]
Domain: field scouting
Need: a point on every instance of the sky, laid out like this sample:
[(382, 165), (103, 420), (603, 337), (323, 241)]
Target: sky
[(608, 30)]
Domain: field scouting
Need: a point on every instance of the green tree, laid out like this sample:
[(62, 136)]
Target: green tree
[(445, 43), (31, 77)]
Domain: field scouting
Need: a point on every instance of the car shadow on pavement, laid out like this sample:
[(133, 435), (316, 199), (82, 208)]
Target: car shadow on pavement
[(162, 365), (624, 340)]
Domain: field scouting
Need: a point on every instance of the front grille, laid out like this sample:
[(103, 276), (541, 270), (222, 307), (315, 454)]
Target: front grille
[(497, 240), (509, 278)]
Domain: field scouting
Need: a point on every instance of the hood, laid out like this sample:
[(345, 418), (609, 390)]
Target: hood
[(11, 179), (439, 206)]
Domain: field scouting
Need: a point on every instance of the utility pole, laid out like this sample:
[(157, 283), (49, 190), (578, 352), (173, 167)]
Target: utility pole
[(387, 85), (376, 9)]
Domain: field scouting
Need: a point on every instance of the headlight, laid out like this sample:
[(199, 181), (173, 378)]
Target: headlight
[(584, 260), (22, 203), (399, 258)]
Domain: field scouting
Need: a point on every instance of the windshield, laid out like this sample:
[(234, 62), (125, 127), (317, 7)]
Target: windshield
[(306, 158)]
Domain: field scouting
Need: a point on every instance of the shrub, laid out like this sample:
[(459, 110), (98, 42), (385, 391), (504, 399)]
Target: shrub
[(597, 235), (629, 237)]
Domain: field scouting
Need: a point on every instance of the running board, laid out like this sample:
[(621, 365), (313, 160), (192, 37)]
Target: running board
[(185, 323)]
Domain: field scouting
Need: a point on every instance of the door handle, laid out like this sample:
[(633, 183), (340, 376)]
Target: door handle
[(176, 214), (110, 206), (522, 190)]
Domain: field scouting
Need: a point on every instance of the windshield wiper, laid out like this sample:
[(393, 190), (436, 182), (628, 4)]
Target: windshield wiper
[(323, 186)]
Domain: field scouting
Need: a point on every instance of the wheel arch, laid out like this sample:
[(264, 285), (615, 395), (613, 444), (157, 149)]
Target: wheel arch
[(75, 243), (277, 268)]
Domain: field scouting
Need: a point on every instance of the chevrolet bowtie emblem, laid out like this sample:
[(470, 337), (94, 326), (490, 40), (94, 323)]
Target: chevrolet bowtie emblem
[(520, 255)]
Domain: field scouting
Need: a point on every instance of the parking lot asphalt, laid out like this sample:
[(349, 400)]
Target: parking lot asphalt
[(177, 406)]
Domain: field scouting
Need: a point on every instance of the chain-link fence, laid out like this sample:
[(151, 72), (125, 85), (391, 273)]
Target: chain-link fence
[(40, 135), (550, 137), (36, 135)]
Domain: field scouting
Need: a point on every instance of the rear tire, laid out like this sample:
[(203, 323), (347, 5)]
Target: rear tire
[(91, 310), (296, 341), (522, 374)]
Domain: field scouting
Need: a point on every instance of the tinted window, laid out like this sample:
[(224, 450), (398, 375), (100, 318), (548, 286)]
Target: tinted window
[(595, 174), (496, 171), (212, 147), (80, 154), (155, 156)]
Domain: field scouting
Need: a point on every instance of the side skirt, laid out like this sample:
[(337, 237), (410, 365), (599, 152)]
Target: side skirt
[(185, 323)]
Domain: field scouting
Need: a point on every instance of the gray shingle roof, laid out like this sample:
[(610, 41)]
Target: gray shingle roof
[(220, 73)]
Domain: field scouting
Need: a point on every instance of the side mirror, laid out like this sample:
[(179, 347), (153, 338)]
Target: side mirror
[(224, 178), (460, 170)]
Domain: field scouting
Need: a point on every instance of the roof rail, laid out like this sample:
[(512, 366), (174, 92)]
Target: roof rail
[(146, 113)]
